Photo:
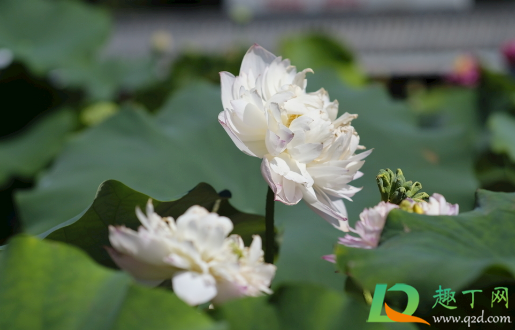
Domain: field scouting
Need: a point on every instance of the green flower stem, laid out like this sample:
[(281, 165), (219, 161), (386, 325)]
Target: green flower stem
[(269, 227)]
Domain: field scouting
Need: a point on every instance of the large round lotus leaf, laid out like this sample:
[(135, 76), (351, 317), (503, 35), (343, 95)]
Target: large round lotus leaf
[(49, 286), (431, 251)]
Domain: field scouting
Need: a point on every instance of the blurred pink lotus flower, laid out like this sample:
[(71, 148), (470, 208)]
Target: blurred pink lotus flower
[(465, 72), (508, 50)]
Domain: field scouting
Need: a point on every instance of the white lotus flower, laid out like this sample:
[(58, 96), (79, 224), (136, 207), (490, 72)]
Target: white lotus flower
[(252, 277), (142, 253), (265, 81), (437, 205), (308, 153), (194, 251), (369, 227), (328, 164), (372, 221)]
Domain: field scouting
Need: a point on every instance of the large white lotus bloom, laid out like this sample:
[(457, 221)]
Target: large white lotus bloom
[(194, 252), (308, 152), (325, 179), (264, 81)]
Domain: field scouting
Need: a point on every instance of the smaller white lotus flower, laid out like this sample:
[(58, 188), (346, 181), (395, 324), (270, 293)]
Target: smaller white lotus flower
[(369, 227), (195, 253), (252, 277), (142, 253), (372, 221), (437, 205)]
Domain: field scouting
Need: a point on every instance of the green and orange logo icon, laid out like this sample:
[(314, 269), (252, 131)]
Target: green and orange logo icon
[(392, 315)]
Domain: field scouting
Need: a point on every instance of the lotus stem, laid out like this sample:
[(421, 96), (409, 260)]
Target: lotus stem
[(269, 227)]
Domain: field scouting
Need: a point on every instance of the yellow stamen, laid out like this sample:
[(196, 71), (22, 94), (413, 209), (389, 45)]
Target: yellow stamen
[(291, 118)]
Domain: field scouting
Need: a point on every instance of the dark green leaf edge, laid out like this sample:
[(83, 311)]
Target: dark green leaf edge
[(115, 204)]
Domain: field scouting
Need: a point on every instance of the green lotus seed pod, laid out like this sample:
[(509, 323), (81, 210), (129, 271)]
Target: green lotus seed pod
[(408, 184), (394, 188), (413, 190), (398, 196), (420, 197), (384, 182), (400, 176)]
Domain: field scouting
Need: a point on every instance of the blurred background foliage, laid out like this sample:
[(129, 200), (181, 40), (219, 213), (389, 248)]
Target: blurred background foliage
[(74, 118)]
